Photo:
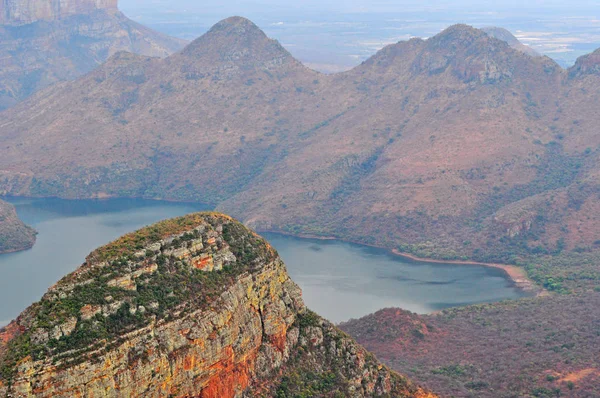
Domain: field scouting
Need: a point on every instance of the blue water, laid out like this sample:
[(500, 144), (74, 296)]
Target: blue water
[(339, 280)]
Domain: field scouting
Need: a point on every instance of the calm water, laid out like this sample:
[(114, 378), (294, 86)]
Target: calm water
[(339, 280)]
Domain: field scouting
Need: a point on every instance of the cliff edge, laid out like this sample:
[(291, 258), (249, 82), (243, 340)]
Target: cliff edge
[(21, 12), (195, 306), (14, 234)]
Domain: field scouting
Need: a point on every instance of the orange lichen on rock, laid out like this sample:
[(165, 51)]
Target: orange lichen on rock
[(230, 377), (8, 333), (279, 340), (203, 262)]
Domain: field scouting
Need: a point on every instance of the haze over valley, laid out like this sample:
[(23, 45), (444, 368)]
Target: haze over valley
[(182, 184), (337, 35)]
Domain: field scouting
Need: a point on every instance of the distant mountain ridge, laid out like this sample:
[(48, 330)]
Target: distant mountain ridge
[(45, 42), (510, 39), (458, 146)]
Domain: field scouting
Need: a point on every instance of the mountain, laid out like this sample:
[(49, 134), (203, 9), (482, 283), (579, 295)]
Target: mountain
[(44, 42), (510, 39), (14, 234), (454, 147), (194, 306), (538, 347)]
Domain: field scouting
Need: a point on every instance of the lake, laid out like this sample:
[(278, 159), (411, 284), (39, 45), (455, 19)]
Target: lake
[(339, 280)]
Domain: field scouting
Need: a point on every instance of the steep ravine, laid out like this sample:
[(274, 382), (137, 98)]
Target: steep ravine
[(195, 306)]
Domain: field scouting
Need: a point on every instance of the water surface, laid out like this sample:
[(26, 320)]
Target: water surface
[(339, 280), (342, 280)]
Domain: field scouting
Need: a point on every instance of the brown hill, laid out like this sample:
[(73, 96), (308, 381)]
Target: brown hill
[(543, 347), (43, 42), (14, 235), (197, 306), (457, 146)]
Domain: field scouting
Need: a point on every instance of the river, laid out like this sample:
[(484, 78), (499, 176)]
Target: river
[(339, 280)]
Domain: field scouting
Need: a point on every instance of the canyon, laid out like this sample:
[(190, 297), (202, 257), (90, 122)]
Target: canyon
[(456, 147), (193, 306)]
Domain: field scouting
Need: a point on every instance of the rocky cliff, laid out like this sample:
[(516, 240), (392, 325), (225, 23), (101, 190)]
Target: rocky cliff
[(14, 234), (20, 12), (196, 306), (45, 42)]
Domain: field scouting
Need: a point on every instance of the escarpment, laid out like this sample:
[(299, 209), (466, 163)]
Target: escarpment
[(195, 306), (19, 12), (43, 42)]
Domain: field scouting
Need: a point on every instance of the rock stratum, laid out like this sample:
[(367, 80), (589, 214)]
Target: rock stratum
[(21, 12), (454, 147), (14, 234), (45, 42), (197, 306)]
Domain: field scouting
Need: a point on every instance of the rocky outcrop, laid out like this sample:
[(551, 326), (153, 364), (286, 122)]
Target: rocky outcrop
[(588, 64), (14, 234), (196, 306), (20, 12)]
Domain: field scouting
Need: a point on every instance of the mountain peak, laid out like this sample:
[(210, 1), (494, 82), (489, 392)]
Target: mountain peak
[(468, 53), (457, 35), (238, 42), (238, 22)]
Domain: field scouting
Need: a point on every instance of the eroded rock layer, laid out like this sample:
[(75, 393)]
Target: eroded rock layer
[(19, 12)]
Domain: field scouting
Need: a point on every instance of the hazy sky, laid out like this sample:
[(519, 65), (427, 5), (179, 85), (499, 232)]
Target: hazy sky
[(331, 34)]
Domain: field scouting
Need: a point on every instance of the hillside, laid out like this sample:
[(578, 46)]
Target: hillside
[(454, 147), (14, 235), (43, 42), (543, 347), (194, 306)]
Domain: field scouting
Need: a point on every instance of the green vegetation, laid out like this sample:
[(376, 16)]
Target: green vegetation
[(325, 369)]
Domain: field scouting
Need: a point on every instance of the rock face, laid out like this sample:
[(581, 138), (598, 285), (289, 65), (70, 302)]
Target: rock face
[(14, 234), (586, 65), (45, 42), (20, 12), (146, 316)]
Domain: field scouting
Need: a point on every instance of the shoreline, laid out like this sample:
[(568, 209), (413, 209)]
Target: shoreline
[(515, 274)]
